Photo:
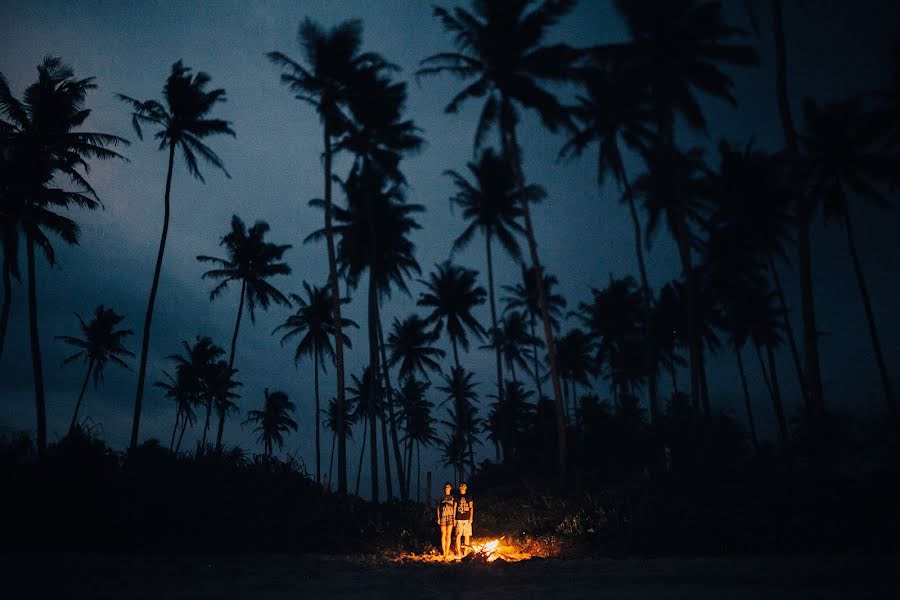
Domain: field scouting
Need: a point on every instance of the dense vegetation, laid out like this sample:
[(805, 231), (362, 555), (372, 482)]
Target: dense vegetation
[(575, 410)]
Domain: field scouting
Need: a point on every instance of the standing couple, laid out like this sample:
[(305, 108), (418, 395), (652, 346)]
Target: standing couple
[(455, 512)]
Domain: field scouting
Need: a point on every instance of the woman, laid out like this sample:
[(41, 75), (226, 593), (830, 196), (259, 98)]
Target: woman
[(446, 518)]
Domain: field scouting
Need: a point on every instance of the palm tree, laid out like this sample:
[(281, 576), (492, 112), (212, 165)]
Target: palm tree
[(452, 293), (615, 110), (523, 297), (509, 419), (364, 394), (418, 425), (676, 48), (334, 420), (42, 144), (410, 347), (577, 363), (334, 62), (500, 45), (251, 260), (100, 344), (375, 229), (180, 389), (843, 161), (765, 328), (490, 205), (184, 123), (194, 369), (461, 414), (514, 342), (219, 385), (313, 321), (273, 421)]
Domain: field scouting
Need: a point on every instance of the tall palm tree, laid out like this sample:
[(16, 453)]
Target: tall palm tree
[(613, 111), (418, 425), (452, 293), (677, 47), (42, 144), (499, 44), (180, 390), (334, 420), (576, 363), (462, 416), (509, 419), (364, 395), (183, 121), (194, 370), (334, 62), (374, 232), (844, 162), (523, 297), (251, 260), (313, 321), (490, 205), (100, 344), (273, 421)]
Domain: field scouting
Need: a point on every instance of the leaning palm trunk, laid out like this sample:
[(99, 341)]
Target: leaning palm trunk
[(331, 459), (537, 372), (747, 404), (148, 319), (234, 337), (511, 150), (84, 385), (40, 404), (362, 451), (336, 310), (494, 337), (873, 330), (812, 365), (175, 429), (789, 330), (694, 349), (395, 441), (318, 447), (649, 354)]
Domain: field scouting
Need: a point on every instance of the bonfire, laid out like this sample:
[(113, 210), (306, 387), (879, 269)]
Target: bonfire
[(479, 551)]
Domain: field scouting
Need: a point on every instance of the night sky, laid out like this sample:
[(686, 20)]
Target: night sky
[(835, 50)]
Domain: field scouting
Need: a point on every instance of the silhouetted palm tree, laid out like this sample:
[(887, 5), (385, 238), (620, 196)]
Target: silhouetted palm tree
[(499, 45), (410, 347), (462, 413), (365, 395), (100, 344), (523, 297), (183, 123), (844, 162), (251, 260), (514, 342), (273, 421), (453, 292), (41, 145), (313, 321), (180, 389), (333, 421), (765, 327), (418, 425), (576, 363), (509, 419), (334, 63), (490, 205), (194, 371)]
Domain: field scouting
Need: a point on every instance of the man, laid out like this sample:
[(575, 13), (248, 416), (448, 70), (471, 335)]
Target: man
[(465, 511)]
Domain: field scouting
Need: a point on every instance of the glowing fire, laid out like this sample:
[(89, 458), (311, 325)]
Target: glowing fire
[(489, 549)]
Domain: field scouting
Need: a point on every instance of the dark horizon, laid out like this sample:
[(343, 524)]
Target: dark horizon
[(835, 50)]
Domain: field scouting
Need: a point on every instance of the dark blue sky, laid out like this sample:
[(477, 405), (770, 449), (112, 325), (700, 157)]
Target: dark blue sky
[(836, 49)]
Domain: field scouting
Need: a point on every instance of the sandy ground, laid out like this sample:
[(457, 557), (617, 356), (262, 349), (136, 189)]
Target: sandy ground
[(295, 577)]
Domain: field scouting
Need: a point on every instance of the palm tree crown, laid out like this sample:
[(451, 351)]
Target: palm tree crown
[(452, 293), (273, 421)]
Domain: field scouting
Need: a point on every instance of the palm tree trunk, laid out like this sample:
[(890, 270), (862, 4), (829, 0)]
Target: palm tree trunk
[(386, 456), (336, 310), (649, 362), (537, 372), (812, 366), (373, 384), (455, 351), (789, 329), (684, 252), (174, 429), (704, 387), (512, 153), (418, 470), (184, 424), (206, 424), (512, 372), (494, 338), (316, 383), (889, 397), (398, 454), (84, 385), (361, 453), (234, 337), (772, 394), (408, 470), (37, 371), (777, 404), (7, 299), (747, 404), (331, 459), (148, 319)]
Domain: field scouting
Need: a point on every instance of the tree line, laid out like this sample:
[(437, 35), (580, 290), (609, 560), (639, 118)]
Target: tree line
[(739, 219)]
